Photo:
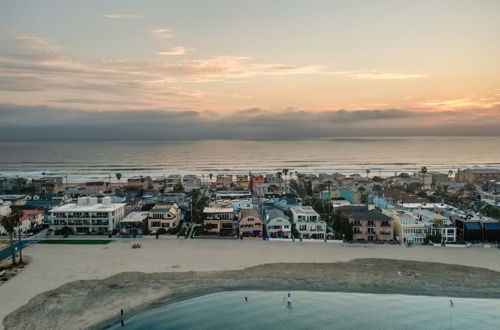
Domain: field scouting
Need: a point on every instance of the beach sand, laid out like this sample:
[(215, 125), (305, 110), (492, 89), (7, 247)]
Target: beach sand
[(188, 267)]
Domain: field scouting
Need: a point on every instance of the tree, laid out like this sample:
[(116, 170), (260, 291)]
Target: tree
[(491, 211), (118, 177), (210, 175), (342, 225), (470, 187), (178, 188), (285, 172), (361, 190), (10, 223), (367, 172)]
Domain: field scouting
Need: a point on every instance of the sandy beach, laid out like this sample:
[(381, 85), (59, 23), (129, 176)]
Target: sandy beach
[(91, 283)]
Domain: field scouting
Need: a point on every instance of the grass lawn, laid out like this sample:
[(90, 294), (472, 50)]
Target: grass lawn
[(75, 241)]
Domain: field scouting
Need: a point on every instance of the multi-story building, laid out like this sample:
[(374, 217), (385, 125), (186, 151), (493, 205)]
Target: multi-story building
[(31, 218), (308, 222), (140, 182), (171, 181), (477, 175), (278, 225), (250, 223), (371, 225), (242, 181), (219, 220), (164, 216), (407, 227), (88, 216), (224, 181), (448, 233), (191, 182)]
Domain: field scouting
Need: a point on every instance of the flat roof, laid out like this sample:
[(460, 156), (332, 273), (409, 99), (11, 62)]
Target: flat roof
[(135, 217), (217, 210), (72, 207)]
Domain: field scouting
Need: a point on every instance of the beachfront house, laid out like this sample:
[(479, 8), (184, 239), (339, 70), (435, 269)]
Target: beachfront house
[(278, 224), (250, 223), (448, 233), (87, 216), (164, 216), (407, 227), (308, 222), (371, 225), (31, 218), (218, 220), (133, 223)]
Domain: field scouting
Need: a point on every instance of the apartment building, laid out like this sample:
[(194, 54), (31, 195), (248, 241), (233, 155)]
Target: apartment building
[(87, 216)]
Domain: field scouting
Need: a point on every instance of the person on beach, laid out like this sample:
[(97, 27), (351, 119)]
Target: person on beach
[(289, 299)]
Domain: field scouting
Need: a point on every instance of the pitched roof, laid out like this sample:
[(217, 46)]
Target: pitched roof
[(372, 215), (249, 213)]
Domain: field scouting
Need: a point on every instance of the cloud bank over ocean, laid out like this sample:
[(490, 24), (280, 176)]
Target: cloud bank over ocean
[(41, 122)]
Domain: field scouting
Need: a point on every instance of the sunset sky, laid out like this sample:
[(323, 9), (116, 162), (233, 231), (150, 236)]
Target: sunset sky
[(229, 69)]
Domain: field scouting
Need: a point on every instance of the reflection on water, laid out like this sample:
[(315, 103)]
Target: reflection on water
[(83, 160), (319, 310)]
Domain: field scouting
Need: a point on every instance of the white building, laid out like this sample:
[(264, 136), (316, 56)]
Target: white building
[(448, 233), (171, 181), (278, 224), (88, 216), (4, 211), (191, 182), (407, 227), (308, 222), (164, 216)]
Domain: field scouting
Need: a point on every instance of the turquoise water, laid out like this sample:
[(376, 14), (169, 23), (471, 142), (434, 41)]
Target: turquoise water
[(319, 310)]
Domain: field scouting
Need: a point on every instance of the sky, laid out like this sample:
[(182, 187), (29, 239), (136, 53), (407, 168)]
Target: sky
[(121, 69)]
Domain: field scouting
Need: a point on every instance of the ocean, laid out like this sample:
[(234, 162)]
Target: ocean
[(319, 310), (94, 160)]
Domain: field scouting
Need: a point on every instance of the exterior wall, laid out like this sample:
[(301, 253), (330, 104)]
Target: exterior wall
[(163, 216), (373, 230), (308, 222), (471, 176), (251, 226), (279, 228), (448, 233), (219, 222), (88, 222)]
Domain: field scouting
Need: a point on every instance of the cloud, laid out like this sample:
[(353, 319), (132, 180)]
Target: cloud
[(461, 103), (374, 75), (173, 51), (162, 34), (42, 122), (122, 16)]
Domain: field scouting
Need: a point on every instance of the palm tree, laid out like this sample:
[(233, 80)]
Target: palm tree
[(285, 172), (361, 190), (10, 223), (423, 170), (118, 177), (367, 172), (210, 175)]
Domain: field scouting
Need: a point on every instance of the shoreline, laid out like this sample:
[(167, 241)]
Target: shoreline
[(79, 304)]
